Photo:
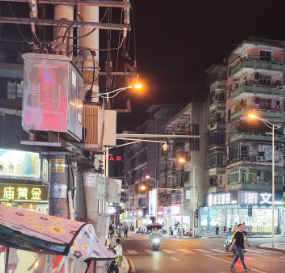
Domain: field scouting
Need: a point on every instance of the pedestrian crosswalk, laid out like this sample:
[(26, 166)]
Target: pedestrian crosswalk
[(211, 251)]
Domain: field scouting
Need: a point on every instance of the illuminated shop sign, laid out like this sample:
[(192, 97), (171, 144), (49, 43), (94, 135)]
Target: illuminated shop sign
[(116, 158), (160, 212), (223, 198), (243, 198), (23, 193), (15, 163), (175, 209), (259, 198), (152, 202)]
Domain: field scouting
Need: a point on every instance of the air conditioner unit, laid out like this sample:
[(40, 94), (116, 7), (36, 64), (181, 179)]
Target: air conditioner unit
[(259, 158)]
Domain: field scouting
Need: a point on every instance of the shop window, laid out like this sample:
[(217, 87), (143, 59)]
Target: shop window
[(265, 55), (211, 182)]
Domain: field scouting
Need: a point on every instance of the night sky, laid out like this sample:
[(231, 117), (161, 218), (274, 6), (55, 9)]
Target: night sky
[(178, 40)]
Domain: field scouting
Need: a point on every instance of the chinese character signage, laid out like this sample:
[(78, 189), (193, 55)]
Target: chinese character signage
[(23, 193), (243, 198), (19, 164), (223, 198), (259, 198)]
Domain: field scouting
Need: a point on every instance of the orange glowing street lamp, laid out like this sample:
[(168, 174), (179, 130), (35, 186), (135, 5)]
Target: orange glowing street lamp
[(143, 187)]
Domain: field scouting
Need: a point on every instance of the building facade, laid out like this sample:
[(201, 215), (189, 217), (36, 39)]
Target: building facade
[(240, 148)]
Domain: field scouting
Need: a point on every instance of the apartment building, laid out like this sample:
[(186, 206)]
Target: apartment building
[(175, 173), (240, 148), (142, 159)]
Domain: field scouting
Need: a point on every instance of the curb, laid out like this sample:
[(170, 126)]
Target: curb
[(272, 249), (132, 268)]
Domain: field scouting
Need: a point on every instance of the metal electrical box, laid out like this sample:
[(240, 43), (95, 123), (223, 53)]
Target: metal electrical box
[(52, 95)]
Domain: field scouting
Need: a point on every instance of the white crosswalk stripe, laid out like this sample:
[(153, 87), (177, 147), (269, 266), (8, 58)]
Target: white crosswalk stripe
[(167, 250), (255, 251), (218, 250), (148, 251), (185, 251), (202, 250), (132, 252)]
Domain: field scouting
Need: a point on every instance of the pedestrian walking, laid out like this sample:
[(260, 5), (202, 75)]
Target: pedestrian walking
[(217, 230), (238, 243), (126, 231)]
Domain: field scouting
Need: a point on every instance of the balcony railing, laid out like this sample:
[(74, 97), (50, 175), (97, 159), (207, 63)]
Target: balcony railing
[(245, 136), (186, 146), (217, 126), (247, 90), (266, 114), (218, 85), (171, 173), (218, 106), (245, 65)]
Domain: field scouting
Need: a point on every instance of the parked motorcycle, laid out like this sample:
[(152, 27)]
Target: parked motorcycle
[(188, 233)]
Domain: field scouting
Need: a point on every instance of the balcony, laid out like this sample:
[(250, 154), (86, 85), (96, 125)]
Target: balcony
[(216, 189), (218, 85), (247, 90), (217, 126), (163, 158), (171, 173), (180, 168), (255, 186), (163, 174), (251, 65), (245, 136), (218, 106), (186, 146), (265, 114), (217, 170)]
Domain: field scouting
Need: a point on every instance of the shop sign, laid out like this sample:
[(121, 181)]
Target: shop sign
[(23, 193), (223, 198), (160, 212), (258, 198), (15, 163), (175, 210), (152, 203)]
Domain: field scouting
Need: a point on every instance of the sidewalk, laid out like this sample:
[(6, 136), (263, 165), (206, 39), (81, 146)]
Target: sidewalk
[(278, 247)]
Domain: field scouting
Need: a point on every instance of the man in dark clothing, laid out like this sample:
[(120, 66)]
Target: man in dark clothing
[(126, 231), (239, 246)]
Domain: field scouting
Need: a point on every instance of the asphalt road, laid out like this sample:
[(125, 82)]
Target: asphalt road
[(199, 255)]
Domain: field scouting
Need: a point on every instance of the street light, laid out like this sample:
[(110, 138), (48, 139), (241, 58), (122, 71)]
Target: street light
[(111, 94), (271, 126), (155, 181)]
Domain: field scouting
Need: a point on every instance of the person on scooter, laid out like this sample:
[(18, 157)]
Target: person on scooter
[(229, 234), (154, 233)]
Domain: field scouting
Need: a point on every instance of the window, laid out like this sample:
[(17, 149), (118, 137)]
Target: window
[(217, 138), (265, 104), (265, 55), (265, 80)]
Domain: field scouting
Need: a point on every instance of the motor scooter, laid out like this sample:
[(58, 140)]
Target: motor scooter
[(156, 242)]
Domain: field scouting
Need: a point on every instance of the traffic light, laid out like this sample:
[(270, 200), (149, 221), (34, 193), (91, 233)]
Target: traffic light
[(197, 213), (249, 211)]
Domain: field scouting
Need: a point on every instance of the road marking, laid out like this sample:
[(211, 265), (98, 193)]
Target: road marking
[(174, 259), (256, 251), (217, 250), (148, 251), (132, 252), (185, 251), (202, 250), (231, 262), (167, 251), (272, 259)]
